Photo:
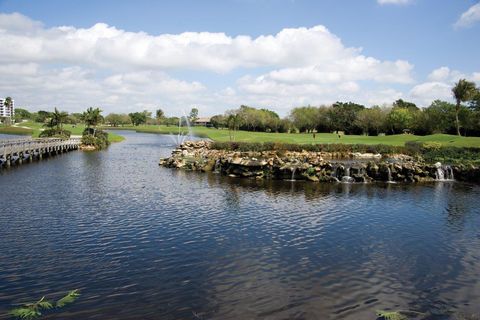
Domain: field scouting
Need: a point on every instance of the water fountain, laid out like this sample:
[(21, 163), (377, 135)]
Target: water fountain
[(182, 136)]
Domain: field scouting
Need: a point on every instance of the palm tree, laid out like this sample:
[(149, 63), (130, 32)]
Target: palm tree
[(462, 91), (233, 123), (59, 118), (92, 117)]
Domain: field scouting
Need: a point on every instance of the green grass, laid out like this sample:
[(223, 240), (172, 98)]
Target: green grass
[(35, 129), (14, 130), (302, 138)]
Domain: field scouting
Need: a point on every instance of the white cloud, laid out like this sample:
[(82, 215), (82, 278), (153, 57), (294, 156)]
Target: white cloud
[(439, 74), (469, 17), (109, 47), (74, 68), (439, 85), (426, 92), (382, 2)]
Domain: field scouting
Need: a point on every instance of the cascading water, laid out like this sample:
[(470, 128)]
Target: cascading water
[(449, 171), (443, 173), (346, 176), (293, 173), (217, 167), (334, 173), (389, 176)]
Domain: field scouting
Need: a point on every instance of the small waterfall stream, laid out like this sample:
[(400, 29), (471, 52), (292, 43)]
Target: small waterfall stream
[(443, 173), (346, 176), (389, 176)]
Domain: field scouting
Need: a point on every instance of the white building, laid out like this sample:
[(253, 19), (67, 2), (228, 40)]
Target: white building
[(7, 111)]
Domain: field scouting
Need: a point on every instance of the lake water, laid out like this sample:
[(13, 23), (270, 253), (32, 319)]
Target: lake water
[(145, 242)]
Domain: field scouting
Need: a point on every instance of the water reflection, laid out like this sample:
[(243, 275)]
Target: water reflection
[(147, 242)]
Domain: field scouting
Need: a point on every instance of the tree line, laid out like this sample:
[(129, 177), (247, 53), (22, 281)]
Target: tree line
[(463, 117)]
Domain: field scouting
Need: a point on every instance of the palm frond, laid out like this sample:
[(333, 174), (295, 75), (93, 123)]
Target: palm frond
[(25, 313), (31, 310), (69, 298), (391, 315)]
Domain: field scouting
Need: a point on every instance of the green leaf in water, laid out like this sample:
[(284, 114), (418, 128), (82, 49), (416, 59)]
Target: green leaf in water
[(69, 298), (391, 315), (31, 310)]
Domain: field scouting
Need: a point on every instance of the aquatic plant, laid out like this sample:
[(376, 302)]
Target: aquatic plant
[(399, 314), (69, 298), (34, 310), (31, 310)]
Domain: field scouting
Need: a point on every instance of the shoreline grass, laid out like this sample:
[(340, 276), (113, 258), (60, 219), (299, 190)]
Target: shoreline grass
[(15, 130), (223, 135), (35, 129)]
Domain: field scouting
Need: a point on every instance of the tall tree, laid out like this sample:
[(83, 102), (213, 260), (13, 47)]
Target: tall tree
[(400, 103), (462, 91), (92, 117), (160, 115), (233, 123), (193, 115), (138, 118), (343, 115), (59, 118)]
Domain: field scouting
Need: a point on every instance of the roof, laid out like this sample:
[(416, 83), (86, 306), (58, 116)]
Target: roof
[(203, 119)]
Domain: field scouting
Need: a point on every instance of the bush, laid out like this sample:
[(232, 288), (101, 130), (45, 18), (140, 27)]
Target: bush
[(430, 152), (54, 133), (275, 146), (99, 140)]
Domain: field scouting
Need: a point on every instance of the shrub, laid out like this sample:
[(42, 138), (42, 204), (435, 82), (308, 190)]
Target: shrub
[(54, 133), (271, 146), (99, 140)]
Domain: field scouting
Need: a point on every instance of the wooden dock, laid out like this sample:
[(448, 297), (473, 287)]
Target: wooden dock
[(18, 151)]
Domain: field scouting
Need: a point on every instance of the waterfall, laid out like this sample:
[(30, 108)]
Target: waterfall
[(217, 167), (449, 171), (346, 177), (389, 176), (439, 174), (443, 173), (293, 173), (334, 173)]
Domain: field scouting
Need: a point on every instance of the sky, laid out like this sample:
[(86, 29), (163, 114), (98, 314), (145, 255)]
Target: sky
[(126, 56)]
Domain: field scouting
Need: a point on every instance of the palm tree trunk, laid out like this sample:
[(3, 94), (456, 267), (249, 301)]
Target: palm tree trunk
[(457, 122)]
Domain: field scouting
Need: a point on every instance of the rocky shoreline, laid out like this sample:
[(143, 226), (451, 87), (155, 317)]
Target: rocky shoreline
[(348, 167)]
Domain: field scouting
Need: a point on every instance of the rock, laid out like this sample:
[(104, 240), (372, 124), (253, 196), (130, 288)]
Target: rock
[(313, 166)]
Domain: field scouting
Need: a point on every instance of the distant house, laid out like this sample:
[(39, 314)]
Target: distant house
[(203, 121)]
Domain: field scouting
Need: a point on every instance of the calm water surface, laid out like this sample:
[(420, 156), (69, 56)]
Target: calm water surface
[(145, 242)]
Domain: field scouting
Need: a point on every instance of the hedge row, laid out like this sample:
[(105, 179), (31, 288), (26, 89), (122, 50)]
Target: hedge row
[(431, 152), (270, 146)]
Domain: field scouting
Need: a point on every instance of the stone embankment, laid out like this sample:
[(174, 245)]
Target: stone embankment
[(314, 166)]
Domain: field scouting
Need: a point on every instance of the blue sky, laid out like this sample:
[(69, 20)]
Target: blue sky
[(434, 44)]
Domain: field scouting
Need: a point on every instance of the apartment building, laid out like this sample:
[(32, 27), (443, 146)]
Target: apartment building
[(7, 111)]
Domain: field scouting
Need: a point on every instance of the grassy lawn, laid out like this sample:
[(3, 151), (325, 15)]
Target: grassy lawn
[(15, 130), (302, 138), (35, 129)]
